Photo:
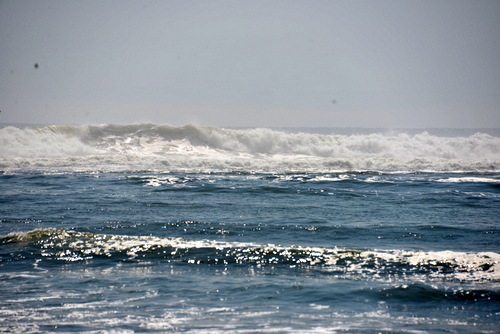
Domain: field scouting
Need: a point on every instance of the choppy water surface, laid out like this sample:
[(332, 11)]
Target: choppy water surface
[(220, 244)]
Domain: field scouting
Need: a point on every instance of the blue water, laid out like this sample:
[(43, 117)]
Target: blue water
[(216, 242)]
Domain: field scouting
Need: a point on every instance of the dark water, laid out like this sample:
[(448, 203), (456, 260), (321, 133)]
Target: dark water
[(244, 252)]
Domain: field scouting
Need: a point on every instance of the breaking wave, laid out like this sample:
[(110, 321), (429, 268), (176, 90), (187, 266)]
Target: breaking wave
[(48, 244), (156, 147)]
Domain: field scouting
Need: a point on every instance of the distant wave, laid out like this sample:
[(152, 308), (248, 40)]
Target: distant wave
[(111, 147)]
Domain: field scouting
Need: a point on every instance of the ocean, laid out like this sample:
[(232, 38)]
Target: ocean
[(149, 228)]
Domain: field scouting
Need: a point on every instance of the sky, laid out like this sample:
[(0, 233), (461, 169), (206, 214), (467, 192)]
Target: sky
[(375, 63)]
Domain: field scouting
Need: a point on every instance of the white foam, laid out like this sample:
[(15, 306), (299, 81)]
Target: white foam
[(467, 266), (78, 246), (196, 148), (26, 315), (41, 143), (469, 179)]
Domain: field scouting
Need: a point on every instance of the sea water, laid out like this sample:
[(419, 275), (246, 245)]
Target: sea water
[(155, 229)]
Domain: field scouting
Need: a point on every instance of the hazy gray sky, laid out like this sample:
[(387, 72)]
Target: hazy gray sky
[(252, 63)]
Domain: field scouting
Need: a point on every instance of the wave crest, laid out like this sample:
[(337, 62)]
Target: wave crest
[(69, 246), (154, 146)]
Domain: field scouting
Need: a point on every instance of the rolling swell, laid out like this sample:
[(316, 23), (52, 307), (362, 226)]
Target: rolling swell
[(47, 245), (423, 293)]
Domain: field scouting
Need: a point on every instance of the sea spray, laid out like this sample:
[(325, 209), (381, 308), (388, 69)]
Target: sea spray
[(156, 147)]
